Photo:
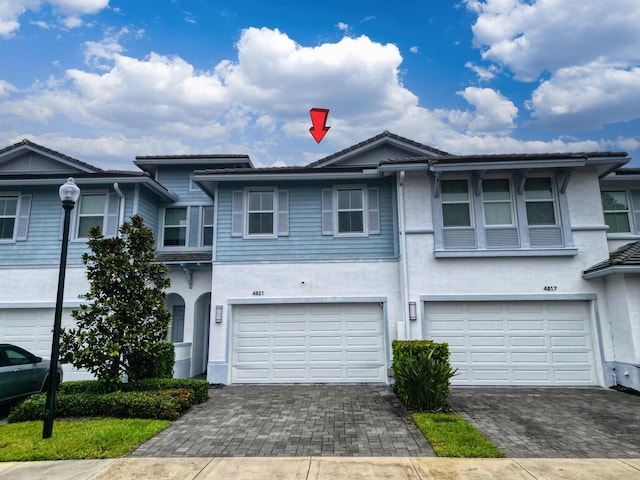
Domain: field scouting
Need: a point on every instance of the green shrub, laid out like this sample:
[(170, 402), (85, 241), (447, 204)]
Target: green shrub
[(422, 374), (160, 405), (200, 388), (156, 363)]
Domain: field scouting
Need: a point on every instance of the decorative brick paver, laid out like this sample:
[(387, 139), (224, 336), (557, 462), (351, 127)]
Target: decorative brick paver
[(553, 422), (292, 420)]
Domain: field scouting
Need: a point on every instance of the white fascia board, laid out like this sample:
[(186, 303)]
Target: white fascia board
[(515, 165), (612, 269), (309, 175), (146, 181), (407, 167)]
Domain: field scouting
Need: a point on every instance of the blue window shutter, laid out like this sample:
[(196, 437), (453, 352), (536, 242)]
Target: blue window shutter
[(374, 211), (327, 212), (23, 217), (283, 212), (193, 225), (237, 213), (111, 225)]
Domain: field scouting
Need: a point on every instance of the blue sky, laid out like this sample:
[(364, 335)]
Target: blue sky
[(106, 80)]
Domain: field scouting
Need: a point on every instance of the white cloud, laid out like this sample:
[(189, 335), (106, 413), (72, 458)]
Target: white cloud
[(547, 35), (494, 114), (71, 11), (587, 97), (414, 49), (484, 73), (343, 26), (258, 103)]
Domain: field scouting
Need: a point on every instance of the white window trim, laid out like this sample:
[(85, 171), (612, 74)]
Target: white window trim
[(16, 217), (469, 203), (512, 203), (162, 246), (629, 212), (274, 193), (105, 213), (202, 226), (554, 199), (365, 211)]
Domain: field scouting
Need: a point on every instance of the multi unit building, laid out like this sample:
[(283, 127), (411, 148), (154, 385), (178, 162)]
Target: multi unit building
[(528, 266)]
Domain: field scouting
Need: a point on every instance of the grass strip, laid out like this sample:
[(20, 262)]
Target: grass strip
[(452, 436), (76, 439)]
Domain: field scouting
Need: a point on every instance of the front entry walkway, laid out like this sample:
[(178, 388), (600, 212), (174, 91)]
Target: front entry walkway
[(553, 422), (292, 420)]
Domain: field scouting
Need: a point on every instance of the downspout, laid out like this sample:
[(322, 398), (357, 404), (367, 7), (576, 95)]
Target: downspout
[(121, 212), (404, 331)]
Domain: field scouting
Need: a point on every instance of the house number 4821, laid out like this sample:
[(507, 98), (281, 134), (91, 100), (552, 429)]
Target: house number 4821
[(550, 288), (258, 293)]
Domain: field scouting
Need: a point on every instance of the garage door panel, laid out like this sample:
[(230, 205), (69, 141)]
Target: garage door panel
[(539, 342), (311, 343)]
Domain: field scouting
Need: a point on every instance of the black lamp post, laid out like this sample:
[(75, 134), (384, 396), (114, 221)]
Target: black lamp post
[(69, 194)]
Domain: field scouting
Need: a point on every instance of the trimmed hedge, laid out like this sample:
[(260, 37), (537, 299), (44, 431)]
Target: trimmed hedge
[(162, 399), (156, 363), (422, 374), (200, 388)]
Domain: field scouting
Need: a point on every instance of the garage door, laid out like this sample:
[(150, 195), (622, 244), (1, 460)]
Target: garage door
[(29, 328), (308, 343), (516, 343)]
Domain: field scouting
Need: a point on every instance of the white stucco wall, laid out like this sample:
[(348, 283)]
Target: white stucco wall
[(309, 282)]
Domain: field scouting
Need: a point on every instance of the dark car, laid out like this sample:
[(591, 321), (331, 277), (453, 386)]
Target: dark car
[(22, 373)]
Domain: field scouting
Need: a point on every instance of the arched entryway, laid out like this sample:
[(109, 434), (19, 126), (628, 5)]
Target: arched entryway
[(201, 334)]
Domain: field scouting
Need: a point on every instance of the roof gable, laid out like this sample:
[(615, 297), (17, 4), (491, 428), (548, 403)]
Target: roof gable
[(26, 157), (372, 151)]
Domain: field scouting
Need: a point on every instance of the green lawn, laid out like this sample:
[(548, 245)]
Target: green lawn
[(101, 438), (451, 436)]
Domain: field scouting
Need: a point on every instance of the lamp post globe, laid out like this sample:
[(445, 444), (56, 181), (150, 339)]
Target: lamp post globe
[(69, 195)]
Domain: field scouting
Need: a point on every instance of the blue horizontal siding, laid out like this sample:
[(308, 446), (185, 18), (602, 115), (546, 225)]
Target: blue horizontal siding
[(177, 179), (305, 240), (149, 210)]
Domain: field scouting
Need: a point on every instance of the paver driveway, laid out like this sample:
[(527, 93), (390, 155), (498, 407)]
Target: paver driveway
[(553, 422), (292, 420)]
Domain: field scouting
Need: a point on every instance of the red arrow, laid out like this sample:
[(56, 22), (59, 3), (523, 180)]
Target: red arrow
[(319, 120)]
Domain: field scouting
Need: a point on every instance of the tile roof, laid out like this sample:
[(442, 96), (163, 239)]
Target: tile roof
[(35, 146), (505, 157), (184, 257), (385, 134), (628, 254)]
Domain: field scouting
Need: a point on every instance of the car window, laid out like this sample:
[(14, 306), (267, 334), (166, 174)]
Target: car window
[(15, 357)]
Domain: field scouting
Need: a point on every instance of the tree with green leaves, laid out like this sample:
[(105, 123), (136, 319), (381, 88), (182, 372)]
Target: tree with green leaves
[(122, 330)]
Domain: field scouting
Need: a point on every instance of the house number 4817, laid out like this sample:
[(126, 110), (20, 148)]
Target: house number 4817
[(550, 288)]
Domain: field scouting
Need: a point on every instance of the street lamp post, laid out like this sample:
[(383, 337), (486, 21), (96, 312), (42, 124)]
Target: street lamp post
[(69, 194)]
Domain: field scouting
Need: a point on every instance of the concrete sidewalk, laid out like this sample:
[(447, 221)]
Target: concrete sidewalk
[(330, 468)]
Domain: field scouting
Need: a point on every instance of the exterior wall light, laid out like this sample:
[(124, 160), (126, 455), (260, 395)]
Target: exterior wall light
[(413, 311)]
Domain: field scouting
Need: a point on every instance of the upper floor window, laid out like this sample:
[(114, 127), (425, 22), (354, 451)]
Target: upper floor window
[(91, 213), (455, 203), (496, 199), (260, 212), (538, 196), (8, 216), (616, 211), (175, 227), (207, 227), (350, 210)]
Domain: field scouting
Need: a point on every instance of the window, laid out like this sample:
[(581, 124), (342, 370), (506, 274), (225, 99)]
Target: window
[(616, 211), (177, 324), (175, 227), (260, 213), (455, 203), (538, 197), (8, 216), (91, 211), (350, 210), (207, 226), (496, 198)]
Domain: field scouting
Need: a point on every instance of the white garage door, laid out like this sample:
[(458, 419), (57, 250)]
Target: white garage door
[(308, 343), (29, 328), (516, 343)]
